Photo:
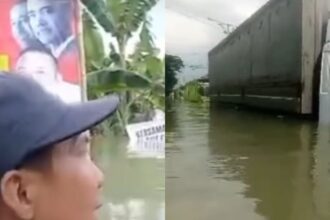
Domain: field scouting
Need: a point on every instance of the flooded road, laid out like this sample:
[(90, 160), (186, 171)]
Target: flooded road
[(229, 164), (134, 186)]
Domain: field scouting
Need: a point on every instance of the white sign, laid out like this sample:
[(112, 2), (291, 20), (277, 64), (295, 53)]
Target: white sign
[(147, 139), (146, 131)]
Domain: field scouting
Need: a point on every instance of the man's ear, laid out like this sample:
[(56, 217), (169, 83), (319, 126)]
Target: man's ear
[(16, 194)]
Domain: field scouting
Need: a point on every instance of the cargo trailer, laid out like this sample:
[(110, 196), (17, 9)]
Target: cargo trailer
[(272, 60)]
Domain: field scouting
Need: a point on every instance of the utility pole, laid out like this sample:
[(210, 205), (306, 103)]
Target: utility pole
[(226, 28)]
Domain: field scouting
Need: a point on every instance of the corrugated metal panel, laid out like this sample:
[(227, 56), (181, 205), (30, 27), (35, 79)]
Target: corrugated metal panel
[(261, 59), (308, 54)]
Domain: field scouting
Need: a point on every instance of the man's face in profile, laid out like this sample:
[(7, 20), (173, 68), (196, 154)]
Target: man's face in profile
[(72, 191), (40, 66), (48, 20), (20, 25), (68, 189)]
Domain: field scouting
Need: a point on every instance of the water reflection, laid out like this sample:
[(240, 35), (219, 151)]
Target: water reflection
[(134, 183), (321, 173), (147, 149), (242, 165)]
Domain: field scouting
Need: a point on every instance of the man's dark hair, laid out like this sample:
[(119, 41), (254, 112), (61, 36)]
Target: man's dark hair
[(38, 160), (41, 160)]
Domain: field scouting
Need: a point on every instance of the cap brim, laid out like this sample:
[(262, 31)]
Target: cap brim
[(81, 117)]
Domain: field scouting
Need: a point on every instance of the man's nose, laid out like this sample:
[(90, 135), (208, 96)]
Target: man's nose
[(40, 19), (99, 177)]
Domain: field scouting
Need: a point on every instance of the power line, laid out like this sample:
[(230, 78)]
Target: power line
[(190, 16), (225, 27)]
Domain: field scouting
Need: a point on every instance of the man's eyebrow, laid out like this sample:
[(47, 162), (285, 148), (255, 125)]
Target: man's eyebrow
[(72, 146), (77, 143), (85, 137), (74, 140), (88, 137), (46, 8)]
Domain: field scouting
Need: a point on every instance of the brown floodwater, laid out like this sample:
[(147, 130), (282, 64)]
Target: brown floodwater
[(134, 186), (224, 163)]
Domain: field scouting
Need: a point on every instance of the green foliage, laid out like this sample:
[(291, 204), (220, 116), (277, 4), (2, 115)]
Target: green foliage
[(139, 77), (99, 11), (193, 92), (173, 65), (145, 60), (110, 80), (120, 19), (93, 43)]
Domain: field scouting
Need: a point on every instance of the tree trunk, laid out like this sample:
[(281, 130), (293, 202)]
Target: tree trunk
[(122, 52)]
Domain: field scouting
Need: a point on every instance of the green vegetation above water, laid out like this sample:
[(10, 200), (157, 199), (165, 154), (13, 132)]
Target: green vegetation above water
[(138, 77), (193, 92)]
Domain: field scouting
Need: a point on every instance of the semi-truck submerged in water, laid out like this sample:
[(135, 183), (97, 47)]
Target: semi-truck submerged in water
[(273, 59)]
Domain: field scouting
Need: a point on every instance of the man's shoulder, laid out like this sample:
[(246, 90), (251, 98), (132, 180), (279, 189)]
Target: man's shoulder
[(68, 47), (72, 45)]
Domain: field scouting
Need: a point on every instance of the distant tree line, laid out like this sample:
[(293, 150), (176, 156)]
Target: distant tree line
[(173, 65)]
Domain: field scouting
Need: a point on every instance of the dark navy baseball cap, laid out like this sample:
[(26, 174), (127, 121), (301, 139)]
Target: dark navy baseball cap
[(32, 119)]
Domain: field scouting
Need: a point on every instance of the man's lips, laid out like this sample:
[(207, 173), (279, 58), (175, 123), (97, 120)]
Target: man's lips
[(43, 30), (98, 206)]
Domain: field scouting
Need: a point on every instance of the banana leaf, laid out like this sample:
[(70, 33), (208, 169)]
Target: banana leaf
[(109, 80), (99, 10), (93, 43)]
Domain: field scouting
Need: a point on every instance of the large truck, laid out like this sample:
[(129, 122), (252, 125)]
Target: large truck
[(273, 59)]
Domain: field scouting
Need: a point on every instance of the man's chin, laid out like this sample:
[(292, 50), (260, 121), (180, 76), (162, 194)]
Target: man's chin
[(24, 42), (45, 40)]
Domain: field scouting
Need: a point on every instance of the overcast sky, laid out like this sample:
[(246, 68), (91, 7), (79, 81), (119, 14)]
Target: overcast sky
[(187, 27), (190, 35), (157, 16)]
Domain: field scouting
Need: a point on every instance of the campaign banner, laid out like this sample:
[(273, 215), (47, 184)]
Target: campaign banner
[(40, 39), (147, 131)]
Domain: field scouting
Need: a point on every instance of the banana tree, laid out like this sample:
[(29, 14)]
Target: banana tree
[(117, 72), (120, 18), (107, 80), (145, 60), (93, 43)]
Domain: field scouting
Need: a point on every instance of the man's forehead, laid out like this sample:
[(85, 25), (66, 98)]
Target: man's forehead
[(30, 57), (84, 134), (19, 7), (73, 144), (18, 10), (28, 61), (80, 138)]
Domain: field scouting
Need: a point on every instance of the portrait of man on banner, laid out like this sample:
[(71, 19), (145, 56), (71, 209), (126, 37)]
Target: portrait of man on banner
[(46, 72), (41, 42), (20, 25), (50, 22)]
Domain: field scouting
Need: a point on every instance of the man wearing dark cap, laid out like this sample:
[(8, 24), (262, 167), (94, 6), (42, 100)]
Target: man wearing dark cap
[(46, 172)]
